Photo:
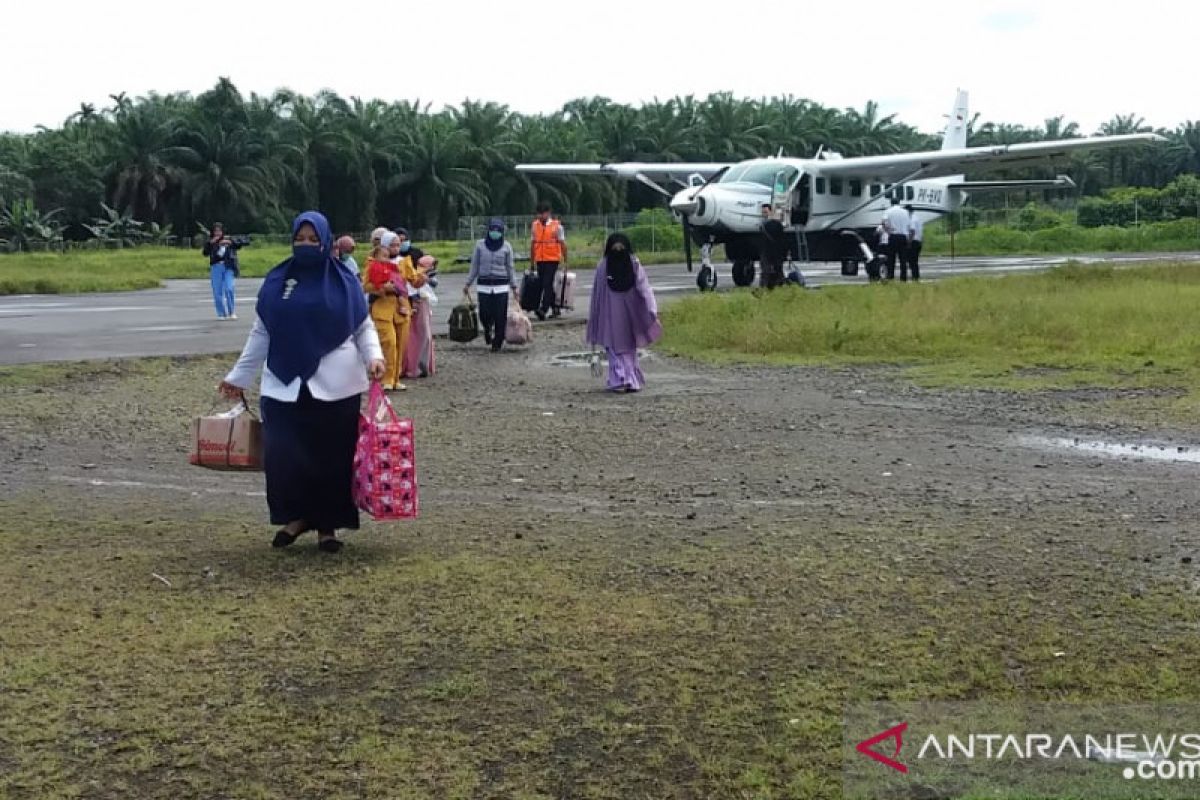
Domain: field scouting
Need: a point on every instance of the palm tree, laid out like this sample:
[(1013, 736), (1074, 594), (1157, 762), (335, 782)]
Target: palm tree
[(315, 133), (1057, 128), (434, 184), (139, 173), (1119, 159), (225, 174), (667, 131), (868, 134), (727, 130)]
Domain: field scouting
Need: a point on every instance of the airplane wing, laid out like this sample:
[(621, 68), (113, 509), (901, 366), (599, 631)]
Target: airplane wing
[(1061, 182), (628, 170), (938, 163)]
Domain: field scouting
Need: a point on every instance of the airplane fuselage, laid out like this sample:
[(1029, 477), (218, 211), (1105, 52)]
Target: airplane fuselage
[(817, 207)]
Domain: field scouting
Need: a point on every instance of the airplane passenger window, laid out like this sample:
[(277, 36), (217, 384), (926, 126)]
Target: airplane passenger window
[(820, 186), (909, 193), (876, 189), (835, 185), (856, 187)]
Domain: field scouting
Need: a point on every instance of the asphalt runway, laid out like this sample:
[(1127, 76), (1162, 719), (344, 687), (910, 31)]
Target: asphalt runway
[(179, 319)]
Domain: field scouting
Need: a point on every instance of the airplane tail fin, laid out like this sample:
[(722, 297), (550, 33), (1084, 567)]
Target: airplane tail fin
[(955, 137)]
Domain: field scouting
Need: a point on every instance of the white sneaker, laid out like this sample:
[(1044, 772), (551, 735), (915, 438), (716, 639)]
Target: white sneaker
[(233, 316)]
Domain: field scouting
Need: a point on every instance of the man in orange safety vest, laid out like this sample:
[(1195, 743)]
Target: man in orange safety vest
[(548, 251)]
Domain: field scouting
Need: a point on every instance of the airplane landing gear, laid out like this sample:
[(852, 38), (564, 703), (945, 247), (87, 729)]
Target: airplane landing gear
[(706, 278), (743, 273)]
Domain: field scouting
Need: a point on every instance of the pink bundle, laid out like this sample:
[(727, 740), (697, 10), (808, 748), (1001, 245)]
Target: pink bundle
[(385, 465)]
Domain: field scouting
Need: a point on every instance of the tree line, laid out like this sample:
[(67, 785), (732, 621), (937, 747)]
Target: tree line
[(169, 163)]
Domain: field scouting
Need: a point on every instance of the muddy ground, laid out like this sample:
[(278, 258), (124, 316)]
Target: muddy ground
[(670, 594)]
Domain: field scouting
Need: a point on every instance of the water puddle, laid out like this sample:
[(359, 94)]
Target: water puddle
[(1144, 451), (585, 359)]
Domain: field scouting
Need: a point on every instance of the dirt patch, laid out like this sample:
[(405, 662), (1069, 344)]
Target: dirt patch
[(670, 594)]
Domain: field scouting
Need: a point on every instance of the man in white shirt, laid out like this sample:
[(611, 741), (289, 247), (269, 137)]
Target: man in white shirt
[(895, 222), (916, 235)]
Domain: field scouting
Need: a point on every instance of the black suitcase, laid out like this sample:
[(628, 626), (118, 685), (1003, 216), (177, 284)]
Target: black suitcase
[(531, 292)]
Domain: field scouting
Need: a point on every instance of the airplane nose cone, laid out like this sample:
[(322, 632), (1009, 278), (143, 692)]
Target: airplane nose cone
[(684, 206)]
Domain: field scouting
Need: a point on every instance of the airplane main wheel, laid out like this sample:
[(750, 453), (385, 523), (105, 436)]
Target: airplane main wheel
[(706, 279), (743, 273)]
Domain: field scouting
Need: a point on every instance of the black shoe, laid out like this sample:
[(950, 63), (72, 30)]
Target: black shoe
[(487, 338), (541, 315), (330, 545), (556, 313), (283, 538), (496, 346)]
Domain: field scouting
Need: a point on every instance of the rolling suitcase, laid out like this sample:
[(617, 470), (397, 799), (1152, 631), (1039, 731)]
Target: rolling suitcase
[(564, 289), (531, 292)]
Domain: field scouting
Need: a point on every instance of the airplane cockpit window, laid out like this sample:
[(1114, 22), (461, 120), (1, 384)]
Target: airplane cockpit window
[(734, 174), (762, 173)]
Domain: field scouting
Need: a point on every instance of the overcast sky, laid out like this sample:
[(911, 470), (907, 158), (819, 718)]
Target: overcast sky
[(1022, 61)]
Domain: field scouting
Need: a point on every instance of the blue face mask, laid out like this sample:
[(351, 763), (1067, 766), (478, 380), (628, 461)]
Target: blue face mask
[(405, 247), (307, 256), (495, 236)]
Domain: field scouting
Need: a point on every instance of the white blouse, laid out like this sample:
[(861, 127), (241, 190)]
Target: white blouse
[(342, 372)]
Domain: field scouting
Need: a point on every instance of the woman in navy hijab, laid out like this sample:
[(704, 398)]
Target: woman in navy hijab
[(319, 347)]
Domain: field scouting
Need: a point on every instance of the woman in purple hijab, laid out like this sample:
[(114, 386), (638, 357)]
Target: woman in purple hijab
[(624, 314)]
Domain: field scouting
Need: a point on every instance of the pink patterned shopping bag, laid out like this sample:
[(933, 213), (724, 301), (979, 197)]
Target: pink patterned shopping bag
[(385, 466)]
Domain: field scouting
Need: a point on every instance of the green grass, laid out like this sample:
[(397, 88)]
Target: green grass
[(420, 664), (992, 240), (146, 267), (1068, 327), (79, 271)]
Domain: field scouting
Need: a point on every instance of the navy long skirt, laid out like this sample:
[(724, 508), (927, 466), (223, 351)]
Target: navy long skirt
[(308, 455)]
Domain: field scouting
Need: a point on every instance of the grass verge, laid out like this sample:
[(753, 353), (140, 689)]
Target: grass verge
[(80, 271), (1070, 327)]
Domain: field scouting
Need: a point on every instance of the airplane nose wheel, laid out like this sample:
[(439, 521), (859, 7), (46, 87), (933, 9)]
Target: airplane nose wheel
[(706, 278)]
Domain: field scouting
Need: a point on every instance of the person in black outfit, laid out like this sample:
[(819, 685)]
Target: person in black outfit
[(773, 251)]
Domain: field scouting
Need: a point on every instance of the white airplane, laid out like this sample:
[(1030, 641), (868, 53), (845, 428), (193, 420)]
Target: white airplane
[(830, 205)]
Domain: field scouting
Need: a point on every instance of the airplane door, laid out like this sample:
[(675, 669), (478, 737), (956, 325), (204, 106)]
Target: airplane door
[(781, 195), (802, 201)]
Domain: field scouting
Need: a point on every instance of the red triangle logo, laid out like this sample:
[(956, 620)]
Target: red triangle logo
[(896, 733)]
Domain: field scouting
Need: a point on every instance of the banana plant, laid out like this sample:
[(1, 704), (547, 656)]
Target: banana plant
[(22, 224)]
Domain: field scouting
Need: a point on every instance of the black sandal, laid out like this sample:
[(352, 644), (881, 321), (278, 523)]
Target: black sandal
[(283, 538), (330, 545)]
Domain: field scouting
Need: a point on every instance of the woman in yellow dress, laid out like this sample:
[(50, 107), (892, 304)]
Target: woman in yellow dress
[(386, 281)]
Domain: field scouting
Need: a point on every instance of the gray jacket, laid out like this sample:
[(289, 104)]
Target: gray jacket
[(492, 268)]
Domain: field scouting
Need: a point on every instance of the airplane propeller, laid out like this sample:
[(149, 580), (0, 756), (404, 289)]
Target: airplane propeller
[(685, 211), (687, 241)]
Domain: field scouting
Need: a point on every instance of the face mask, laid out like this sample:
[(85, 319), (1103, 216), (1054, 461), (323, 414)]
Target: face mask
[(344, 257), (405, 247), (307, 255), (495, 236)]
